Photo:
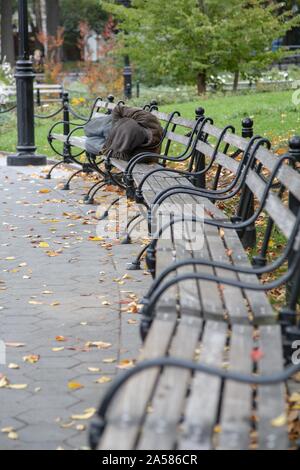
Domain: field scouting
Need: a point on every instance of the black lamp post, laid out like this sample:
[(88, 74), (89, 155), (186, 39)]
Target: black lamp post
[(127, 79), (25, 101)]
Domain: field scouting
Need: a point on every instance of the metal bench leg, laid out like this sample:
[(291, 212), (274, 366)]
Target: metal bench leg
[(136, 264), (106, 213), (90, 197), (67, 185), (87, 197), (48, 176), (127, 240)]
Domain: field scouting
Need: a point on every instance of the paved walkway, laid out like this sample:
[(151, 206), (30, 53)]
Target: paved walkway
[(64, 303)]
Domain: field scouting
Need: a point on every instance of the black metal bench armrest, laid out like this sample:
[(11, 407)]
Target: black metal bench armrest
[(239, 181), (59, 123), (239, 225), (97, 427), (72, 132), (149, 307), (190, 173)]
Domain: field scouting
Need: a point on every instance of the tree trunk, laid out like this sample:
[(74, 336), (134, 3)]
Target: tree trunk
[(7, 38), (38, 15), (53, 17), (236, 80), (201, 83)]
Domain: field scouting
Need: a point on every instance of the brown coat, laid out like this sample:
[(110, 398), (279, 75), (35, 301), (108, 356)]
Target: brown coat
[(133, 131)]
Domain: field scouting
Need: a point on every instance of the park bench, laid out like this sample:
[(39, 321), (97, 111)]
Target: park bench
[(44, 93), (173, 126), (207, 314)]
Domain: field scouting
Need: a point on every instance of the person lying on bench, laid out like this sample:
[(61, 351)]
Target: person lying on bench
[(126, 133)]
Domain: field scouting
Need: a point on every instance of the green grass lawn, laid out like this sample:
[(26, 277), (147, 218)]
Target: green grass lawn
[(275, 116)]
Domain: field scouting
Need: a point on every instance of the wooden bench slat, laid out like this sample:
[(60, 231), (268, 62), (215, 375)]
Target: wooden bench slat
[(237, 398), (287, 176), (271, 404), (160, 427), (129, 408), (200, 416)]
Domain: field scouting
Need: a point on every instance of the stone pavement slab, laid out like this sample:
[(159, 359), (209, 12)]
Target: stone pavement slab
[(61, 291)]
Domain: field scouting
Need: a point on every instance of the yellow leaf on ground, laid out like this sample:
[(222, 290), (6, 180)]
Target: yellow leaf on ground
[(75, 385), (60, 339), (7, 430), (126, 364), (4, 382), (279, 421), (295, 397), (80, 427), (44, 191), (109, 360), (18, 386), (94, 369), (44, 245), (13, 366), (58, 349), (52, 254), (103, 380), (88, 414), (32, 359), (13, 436)]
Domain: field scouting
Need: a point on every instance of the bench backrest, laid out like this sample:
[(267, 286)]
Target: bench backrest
[(282, 213)]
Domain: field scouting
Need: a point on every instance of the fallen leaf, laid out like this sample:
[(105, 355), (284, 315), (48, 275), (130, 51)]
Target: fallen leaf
[(52, 254), (88, 414), (67, 425), (295, 397), (109, 360), (279, 421), (80, 427), (13, 366), (55, 304), (103, 380), (10, 258), (98, 344), (35, 302), (44, 191), (75, 385), (15, 345), (32, 359), (60, 339), (96, 239), (13, 436), (18, 386), (256, 355), (7, 430), (44, 245), (125, 364), (58, 349), (4, 382), (94, 369)]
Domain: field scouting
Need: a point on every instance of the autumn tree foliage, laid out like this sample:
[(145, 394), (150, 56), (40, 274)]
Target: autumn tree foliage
[(188, 40)]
